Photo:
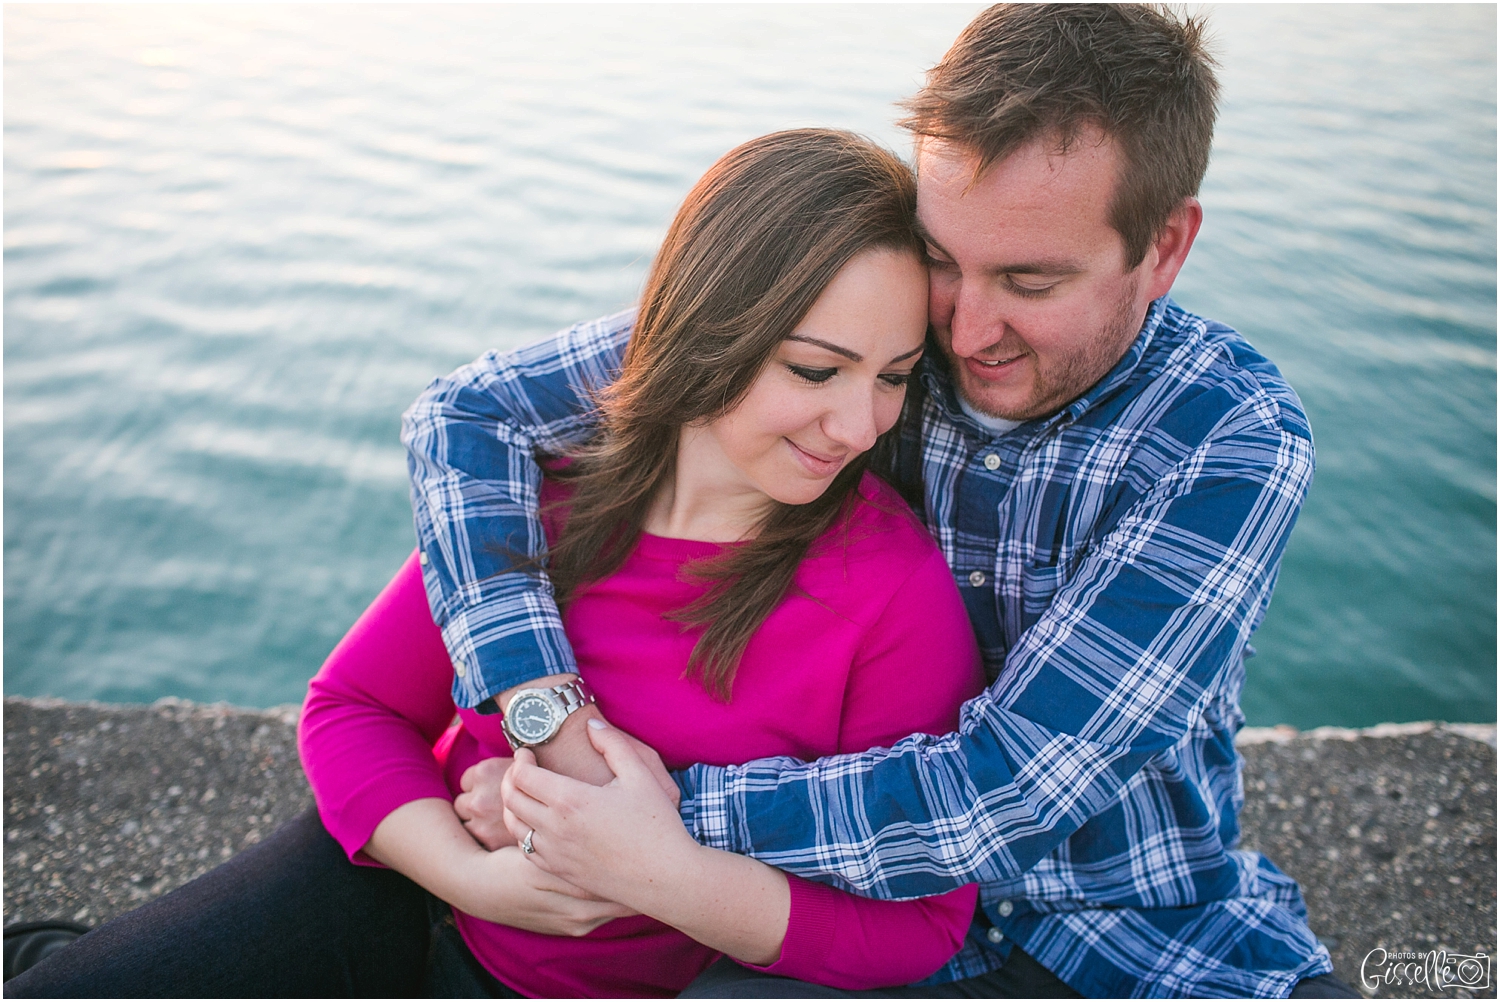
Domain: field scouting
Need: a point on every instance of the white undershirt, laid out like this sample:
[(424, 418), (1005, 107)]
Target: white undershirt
[(995, 425)]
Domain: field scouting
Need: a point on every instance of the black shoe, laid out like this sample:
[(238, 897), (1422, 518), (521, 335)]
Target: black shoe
[(29, 943)]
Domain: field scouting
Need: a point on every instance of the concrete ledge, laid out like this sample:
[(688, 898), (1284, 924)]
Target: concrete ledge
[(1390, 830)]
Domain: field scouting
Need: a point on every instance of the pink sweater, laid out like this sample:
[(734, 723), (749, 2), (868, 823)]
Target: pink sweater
[(871, 644)]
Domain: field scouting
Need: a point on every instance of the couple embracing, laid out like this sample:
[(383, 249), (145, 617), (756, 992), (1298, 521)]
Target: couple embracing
[(863, 615)]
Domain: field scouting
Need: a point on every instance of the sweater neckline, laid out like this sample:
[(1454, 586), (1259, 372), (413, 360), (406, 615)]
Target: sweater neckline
[(654, 547)]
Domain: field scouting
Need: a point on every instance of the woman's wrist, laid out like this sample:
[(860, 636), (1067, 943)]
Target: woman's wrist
[(425, 841)]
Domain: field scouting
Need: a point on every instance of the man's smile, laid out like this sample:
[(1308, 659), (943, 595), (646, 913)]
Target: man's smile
[(991, 370)]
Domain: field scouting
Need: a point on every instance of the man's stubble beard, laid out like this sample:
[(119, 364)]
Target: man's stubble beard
[(1068, 381)]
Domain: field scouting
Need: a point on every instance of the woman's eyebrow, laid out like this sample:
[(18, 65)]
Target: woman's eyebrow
[(852, 356), (915, 351)]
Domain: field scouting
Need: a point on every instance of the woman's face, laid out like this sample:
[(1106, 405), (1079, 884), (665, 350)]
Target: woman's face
[(833, 386)]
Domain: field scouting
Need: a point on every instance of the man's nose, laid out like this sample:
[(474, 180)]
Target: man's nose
[(853, 422), (975, 325)]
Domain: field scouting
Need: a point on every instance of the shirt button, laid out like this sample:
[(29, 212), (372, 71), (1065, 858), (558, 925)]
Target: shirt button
[(1005, 908), (422, 558), (976, 578), (992, 462), (994, 935), (458, 666)]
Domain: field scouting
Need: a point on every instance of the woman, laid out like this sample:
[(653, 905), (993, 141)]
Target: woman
[(735, 585)]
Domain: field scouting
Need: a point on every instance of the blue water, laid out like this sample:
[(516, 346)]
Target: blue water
[(240, 240)]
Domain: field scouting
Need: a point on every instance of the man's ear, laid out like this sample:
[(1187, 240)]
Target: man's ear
[(1170, 249)]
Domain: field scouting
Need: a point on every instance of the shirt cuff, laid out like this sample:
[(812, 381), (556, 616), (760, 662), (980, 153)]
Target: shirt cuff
[(489, 668), (705, 806)]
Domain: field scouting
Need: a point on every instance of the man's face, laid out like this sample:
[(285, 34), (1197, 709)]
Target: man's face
[(1030, 299)]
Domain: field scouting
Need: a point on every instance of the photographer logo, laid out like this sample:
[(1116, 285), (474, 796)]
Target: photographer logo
[(1437, 969)]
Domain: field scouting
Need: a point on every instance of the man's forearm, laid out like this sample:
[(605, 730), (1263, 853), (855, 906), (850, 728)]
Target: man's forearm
[(472, 439), (1123, 665)]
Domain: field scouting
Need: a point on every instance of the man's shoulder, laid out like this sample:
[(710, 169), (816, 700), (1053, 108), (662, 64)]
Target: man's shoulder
[(581, 345), (583, 357), (1203, 369)]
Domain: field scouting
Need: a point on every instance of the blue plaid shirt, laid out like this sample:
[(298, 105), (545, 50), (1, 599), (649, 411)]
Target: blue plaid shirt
[(1115, 558)]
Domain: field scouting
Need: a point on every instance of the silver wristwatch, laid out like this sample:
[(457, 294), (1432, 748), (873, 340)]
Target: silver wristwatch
[(534, 716)]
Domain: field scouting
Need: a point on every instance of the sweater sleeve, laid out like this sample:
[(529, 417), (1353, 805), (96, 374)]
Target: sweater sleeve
[(373, 712), (918, 663)]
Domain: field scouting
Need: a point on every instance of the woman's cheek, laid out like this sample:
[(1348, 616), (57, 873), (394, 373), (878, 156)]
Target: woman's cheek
[(888, 408)]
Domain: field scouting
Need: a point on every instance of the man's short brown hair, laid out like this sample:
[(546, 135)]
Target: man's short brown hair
[(1021, 72)]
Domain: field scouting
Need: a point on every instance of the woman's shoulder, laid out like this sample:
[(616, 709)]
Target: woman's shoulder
[(877, 540), (879, 509)]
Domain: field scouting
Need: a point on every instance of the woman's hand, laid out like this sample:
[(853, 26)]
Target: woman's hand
[(625, 835), (625, 842), (424, 840), (480, 807), (508, 889)]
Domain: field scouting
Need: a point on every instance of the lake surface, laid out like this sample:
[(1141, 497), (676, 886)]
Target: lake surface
[(240, 240)]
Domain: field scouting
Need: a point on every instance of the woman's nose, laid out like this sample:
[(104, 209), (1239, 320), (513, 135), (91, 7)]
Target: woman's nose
[(854, 422)]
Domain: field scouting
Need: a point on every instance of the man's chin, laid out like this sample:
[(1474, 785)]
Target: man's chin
[(1006, 403)]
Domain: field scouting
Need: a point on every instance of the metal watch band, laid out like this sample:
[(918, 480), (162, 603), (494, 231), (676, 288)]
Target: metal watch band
[(575, 696), (572, 695)]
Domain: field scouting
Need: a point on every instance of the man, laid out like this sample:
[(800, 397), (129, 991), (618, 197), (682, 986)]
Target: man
[(1113, 481)]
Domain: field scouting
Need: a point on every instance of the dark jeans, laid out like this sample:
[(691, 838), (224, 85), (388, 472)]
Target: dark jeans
[(292, 917), (1020, 978), (286, 918)]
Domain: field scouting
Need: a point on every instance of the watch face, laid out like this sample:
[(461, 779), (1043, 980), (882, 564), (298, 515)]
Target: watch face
[(530, 718)]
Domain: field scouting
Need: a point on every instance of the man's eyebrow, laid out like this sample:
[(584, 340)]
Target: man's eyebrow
[(1038, 268), (852, 356), (1043, 267)]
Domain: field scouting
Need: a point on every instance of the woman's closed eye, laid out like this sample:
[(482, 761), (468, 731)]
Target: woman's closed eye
[(813, 374), (895, 380)]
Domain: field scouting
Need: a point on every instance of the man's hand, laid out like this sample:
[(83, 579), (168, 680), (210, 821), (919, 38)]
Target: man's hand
[(481, 807)]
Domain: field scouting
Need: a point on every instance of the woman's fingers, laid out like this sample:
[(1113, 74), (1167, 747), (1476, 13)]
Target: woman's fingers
[(619, 753), (522, 815), (516, 893), (657, 769), (481, 806), (484, 775), (540, 784)]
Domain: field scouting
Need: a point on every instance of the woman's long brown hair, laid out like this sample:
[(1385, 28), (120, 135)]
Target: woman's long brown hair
[(756, 241)]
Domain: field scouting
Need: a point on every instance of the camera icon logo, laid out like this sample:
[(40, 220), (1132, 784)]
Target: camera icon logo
[(1461, 970), (1434, 969)]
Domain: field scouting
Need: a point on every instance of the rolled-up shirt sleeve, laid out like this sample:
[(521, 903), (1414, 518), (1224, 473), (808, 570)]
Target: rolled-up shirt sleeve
[(472, 439), (1116, 671)]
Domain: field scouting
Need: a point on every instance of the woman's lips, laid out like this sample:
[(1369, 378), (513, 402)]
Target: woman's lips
[(817, 465)]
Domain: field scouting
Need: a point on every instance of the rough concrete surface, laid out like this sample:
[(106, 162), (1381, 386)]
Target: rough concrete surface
[(1391, 831), (108, 806)]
